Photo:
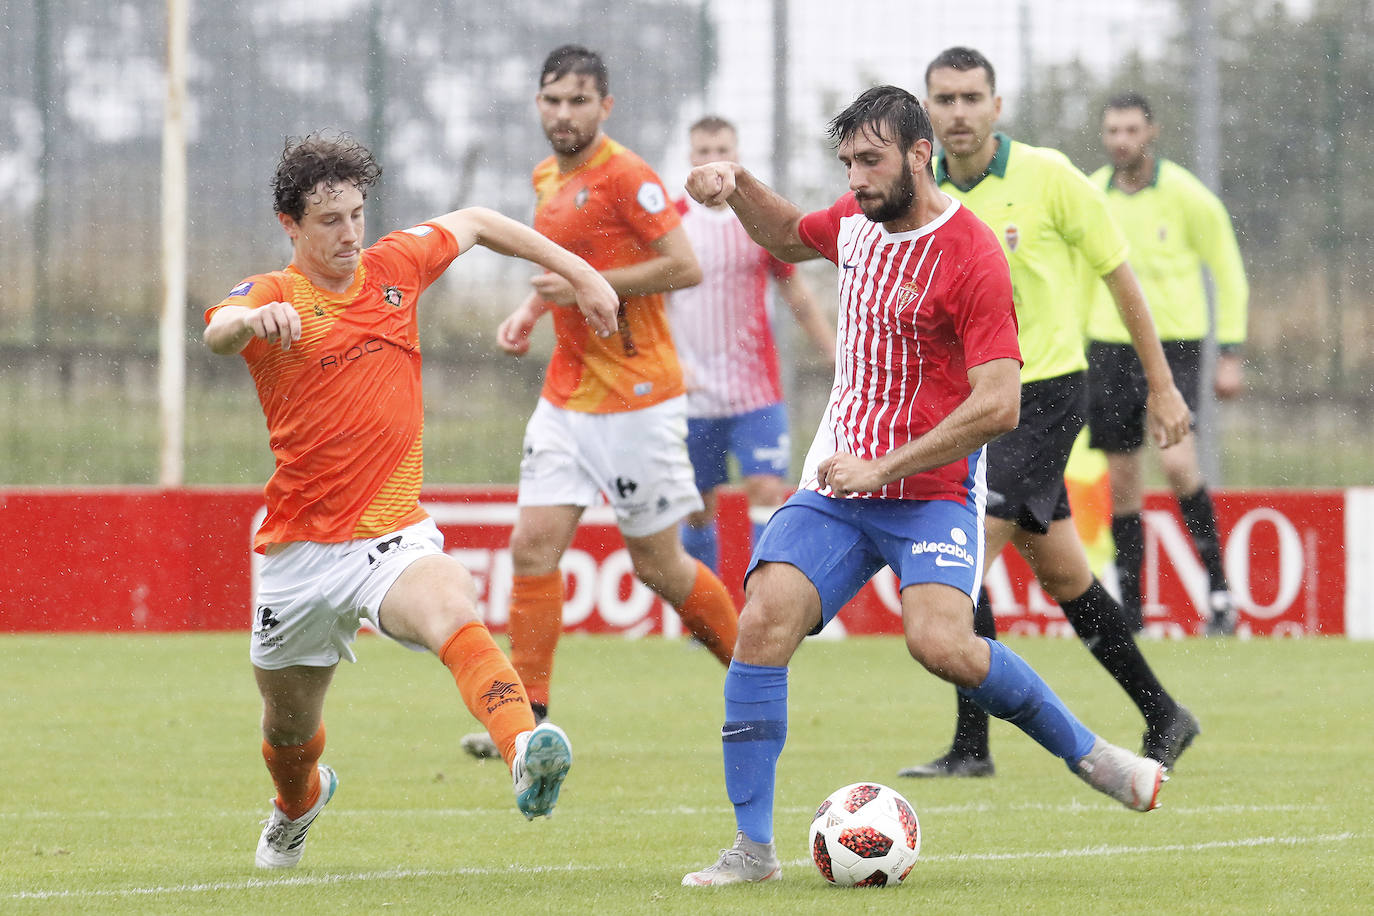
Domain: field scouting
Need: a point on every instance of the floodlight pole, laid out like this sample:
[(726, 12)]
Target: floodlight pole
[(172, 326)]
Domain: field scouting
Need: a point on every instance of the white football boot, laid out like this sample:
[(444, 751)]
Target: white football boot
[(283, 840)]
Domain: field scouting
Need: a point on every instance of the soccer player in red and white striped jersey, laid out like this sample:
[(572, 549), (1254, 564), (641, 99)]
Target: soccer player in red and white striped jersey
[(723, 331), (928, 372)]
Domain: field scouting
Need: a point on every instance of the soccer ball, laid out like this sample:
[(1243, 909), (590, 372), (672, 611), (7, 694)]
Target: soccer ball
[(865, 835)]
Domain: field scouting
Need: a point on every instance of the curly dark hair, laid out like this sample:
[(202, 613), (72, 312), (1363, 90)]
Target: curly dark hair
[(891, 114), (322, 156)]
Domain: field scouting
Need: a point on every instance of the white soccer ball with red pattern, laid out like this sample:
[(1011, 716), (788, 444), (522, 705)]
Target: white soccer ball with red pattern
[(865, 835)]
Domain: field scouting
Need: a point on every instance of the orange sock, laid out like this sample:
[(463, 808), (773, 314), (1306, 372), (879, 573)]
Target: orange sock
[(710, 614), (295, 773), (489, 685), (536, 622)]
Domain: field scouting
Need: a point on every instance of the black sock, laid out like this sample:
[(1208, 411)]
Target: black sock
[(1129, 538), (540, 710), (1098, 621), (971, 723), (1202, 525)]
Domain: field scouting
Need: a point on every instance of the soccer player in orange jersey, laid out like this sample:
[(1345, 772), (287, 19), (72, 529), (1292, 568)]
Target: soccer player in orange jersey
[(612, 416), (332, 344)]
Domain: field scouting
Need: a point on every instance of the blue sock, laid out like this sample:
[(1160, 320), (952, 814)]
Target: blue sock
[(1013, 691), (701, 544), (752, 738)]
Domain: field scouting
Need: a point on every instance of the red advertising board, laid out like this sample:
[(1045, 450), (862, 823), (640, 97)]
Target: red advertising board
[(128, 560), (1284, 556)]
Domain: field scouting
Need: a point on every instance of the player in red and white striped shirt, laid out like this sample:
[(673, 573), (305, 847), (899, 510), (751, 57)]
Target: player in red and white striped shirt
[(724, 336), (928, 372)]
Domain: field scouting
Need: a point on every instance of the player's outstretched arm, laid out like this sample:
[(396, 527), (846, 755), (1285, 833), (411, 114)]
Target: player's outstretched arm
[(233, 326), (770, 219), (592, 294), (1167, 414), (673, 266), (992, 408)]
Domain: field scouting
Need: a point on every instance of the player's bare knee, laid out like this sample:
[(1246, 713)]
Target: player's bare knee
[(939, 642), (667, 569), (765, 491), (533, 556), (768, 635)]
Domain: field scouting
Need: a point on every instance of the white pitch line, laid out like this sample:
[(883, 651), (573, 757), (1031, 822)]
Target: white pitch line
[(399, 873), (1097, 851), (1095, 806)]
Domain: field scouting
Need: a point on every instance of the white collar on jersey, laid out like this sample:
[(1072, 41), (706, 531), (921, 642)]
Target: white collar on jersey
[(928, 228)]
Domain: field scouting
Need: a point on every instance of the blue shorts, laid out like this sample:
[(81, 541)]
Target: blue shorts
[(840, 543), (758, 440)]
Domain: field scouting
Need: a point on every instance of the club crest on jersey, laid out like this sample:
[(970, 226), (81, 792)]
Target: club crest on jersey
[(907, 293), (392, 295), (1012, 236), (580, 200)]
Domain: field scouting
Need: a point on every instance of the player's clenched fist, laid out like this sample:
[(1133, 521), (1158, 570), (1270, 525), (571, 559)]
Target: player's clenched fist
[(275, 322), (712, 184), (845, 474), (232, 326)]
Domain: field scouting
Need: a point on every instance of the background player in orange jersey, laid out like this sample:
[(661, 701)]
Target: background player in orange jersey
[(612, 416), (332, 344)]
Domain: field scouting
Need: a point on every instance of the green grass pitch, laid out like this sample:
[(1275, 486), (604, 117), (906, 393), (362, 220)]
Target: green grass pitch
[(133, 784)]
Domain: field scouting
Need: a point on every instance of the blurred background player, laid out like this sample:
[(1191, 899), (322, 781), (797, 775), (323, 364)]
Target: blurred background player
[(1175, 226), (723, 331), (1051, 222), (927, 373), (332, 345), (612, 416)]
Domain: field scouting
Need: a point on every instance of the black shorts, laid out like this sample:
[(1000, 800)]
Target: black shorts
[(1026, 466), (1116, 415)]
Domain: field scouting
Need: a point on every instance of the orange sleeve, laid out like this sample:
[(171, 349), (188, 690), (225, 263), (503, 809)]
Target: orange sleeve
[(644, 203)]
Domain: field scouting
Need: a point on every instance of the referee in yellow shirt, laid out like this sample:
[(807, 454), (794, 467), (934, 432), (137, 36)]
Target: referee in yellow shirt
[(1175, 227), (1059, 239)]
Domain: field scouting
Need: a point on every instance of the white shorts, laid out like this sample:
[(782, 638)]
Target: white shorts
[(311, 598), (637, 460)]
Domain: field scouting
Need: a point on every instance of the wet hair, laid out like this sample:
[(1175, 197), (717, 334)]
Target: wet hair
[(323, 156), (712, 124), (579, 61), (889, 113), (1128, 100), (962, 59)]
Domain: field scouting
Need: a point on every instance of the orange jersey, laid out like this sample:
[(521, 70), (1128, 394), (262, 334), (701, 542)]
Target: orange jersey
[(343, 405), (609, 210)]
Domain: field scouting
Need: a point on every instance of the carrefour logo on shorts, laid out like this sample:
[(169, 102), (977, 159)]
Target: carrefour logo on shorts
[(947, 553)]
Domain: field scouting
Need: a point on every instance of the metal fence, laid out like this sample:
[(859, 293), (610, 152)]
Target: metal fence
[(443, 92)]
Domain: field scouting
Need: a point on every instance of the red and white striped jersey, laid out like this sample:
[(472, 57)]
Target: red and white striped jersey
[(721, 326), (917, 309)]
